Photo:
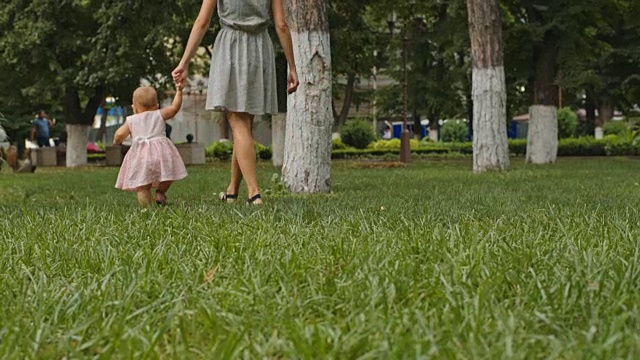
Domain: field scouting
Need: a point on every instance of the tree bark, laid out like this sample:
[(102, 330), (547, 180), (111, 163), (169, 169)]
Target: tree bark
[(606, 111), (489, 92), (79, 123), (102, 131), (307, 155), (542, 141), (278, 129), (223, 125), (77, 137)]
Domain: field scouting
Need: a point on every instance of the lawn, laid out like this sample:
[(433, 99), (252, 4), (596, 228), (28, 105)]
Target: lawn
[(429, 261)]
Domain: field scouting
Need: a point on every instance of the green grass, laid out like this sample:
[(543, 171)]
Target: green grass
[(425, 262)]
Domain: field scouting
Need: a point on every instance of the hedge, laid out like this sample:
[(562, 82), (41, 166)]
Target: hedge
[(586, 146)]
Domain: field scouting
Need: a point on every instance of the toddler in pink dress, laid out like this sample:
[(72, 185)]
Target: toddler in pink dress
[(152, 161)]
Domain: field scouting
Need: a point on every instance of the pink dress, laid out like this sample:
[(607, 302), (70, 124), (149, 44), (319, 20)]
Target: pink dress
[(152, 158)]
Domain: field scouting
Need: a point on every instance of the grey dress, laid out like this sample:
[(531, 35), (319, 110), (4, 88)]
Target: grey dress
[(243, 74)]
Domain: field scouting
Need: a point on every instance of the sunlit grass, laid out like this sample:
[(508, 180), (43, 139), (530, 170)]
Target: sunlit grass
[(425, 261)]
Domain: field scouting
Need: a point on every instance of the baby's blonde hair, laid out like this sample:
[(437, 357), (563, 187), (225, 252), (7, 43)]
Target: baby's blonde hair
[(146, 97)]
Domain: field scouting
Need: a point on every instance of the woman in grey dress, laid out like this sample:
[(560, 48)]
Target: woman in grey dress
[(242, 80)]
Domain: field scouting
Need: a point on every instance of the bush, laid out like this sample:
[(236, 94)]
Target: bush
[(263, 152), (454, 131), (615, 128), (338, 144), (220, 149), (393, 144), (518, 146), (584, 146), (357, 133), (567, 123)]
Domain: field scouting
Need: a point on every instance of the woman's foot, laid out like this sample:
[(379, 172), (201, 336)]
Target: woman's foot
[(228, 198), (161, 198), (255, 200)]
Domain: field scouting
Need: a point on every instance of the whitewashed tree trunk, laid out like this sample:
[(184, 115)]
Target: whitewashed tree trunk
[(278, 129), (307, 154), (490, 144), (542, 140), (77, 138), (489, 91)]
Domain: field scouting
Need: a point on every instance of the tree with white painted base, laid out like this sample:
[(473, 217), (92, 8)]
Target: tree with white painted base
[(490, 145), (307, 155), (542, 138)]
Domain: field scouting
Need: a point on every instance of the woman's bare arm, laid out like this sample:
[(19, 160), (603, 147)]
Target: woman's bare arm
[(284, 35), (200, 27)]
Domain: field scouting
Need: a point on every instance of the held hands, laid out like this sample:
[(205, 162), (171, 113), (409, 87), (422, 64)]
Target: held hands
[(180, 74), (179, 85)]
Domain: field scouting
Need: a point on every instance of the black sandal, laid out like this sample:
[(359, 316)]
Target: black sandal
[(254, 199), (228, 198)]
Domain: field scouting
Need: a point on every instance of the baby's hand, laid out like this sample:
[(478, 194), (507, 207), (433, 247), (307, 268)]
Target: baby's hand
[(180, 85)]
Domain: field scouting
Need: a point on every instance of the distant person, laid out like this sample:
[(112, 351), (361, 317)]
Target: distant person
[(41, 131), (153, 160), (388, 134)]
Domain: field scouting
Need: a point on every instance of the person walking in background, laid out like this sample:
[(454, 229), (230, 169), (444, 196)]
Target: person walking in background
[(41, 131), (242, 79)]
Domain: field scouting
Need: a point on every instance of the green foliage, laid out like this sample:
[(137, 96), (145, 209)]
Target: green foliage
[(338, 144), (518, 147), (567, 123), (612, 145), (454, 131), (392, 144), (277, 186), (357, 133), (263, 152), (221, 150), (615, 128)]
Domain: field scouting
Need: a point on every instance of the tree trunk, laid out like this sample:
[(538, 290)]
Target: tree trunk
[(278, 129), (77, 137), (223, 125), (489, 92), (542, 141), (417, 125), (102, 131), (590, 107), (79, 124), (341, 118), (307, 155), (605, 111)]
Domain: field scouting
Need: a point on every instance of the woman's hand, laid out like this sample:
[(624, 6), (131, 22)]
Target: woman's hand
[(292, 82), (180, 74)]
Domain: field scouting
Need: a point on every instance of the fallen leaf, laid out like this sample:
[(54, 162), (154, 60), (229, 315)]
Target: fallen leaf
[(210, 275)]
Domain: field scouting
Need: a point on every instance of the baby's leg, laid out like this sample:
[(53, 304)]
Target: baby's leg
[(163, 187), (144, 195)]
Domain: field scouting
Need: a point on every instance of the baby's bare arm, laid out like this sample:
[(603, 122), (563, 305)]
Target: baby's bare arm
[(170, 111), (122, 133)]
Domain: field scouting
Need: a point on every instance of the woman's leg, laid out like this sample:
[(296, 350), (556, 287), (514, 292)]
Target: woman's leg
[(244, 150), (236, 172), (144, 195)]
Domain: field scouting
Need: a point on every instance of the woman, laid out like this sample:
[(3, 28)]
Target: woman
[(242, 79)]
